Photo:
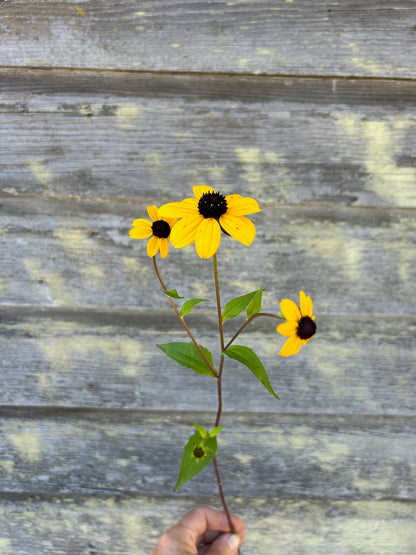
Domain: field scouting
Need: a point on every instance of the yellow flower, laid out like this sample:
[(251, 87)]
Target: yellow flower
[(158, 230), (300, 326), (199, 453), (205, 215)]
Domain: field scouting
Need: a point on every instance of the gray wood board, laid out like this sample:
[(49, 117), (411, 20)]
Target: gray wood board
[(260, 455), (117, 134), (375, 38), (131, 525), (77, 253), (109, 359)]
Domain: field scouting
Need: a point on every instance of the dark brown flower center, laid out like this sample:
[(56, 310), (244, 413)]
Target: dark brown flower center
[(306, 328), (212, 205), (198, 452), (161, 229)]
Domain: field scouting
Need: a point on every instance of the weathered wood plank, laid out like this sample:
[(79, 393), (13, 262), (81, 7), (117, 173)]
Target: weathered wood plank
[(302, 37), (131, 526), (109, 359), (77, 253), (261, 455), (128, 135)]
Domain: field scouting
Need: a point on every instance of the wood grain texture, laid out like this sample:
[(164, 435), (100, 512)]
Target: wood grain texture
[(131, 525), (375, 38), (109, 359), (77, 253), (95, 134), (262, 455)]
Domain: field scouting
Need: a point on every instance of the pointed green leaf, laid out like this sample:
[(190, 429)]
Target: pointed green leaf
[(234, 307), (202, 431), (188, 355), (173, 293), (254, 306), (197, 454), (215, 431), (248, 357), (189, 305)]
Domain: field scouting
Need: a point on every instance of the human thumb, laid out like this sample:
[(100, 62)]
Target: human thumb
[(226, 544)]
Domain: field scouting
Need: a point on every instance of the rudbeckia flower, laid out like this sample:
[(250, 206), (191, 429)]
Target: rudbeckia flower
[(158, 230), (205, 215), (300, 326), (199, 453)]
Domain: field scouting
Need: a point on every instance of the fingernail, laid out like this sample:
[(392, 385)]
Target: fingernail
[(233, 541)]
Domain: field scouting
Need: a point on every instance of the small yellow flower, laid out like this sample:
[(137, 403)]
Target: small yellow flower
[(158, 230), (300, 326), (206, 215), (199, 453)]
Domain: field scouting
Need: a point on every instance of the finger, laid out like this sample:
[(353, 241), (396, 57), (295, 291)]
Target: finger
[(203, 519), (209, 537), (226, 544)]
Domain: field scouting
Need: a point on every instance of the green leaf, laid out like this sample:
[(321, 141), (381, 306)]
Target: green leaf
[(173, 293), (189, 305), (202, 431), (197, 454), (215, 431), (254, 306), (248, 357), (234, 307), (188, 355)]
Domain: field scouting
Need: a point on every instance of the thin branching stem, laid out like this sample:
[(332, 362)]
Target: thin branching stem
[(267, 314), (219, 411), (181, 318), (221, 331), (224, 504)]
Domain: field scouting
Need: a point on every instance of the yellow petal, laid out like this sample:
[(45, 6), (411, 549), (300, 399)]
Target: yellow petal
[(240, 206), (171, 221), (239, 227), (179, 209), (153, 246), (291, 346), (142, 229), (207, 238), (153, 213), (290, 311), (183, 233), (200, 190), (164, 247), (306, 306), (288, 328)]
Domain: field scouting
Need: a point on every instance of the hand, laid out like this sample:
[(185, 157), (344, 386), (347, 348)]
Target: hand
[(202, 531)]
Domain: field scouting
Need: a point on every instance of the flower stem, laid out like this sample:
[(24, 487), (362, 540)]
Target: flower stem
[(219, 389), (224, 504), (249, 322), (181, 318), (220, 327)]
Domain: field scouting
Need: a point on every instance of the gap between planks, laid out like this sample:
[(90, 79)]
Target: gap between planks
[(139, 415), (206, 74), (95, 205)]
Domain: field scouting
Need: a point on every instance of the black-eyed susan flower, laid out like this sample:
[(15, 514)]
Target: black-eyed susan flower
[(300, 326), (199, 453), (204, 216), (157, 231)]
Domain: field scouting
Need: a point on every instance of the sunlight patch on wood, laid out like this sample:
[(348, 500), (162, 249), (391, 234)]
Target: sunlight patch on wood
[(26, 445), (381, 141), (40, 170), (127, 115)]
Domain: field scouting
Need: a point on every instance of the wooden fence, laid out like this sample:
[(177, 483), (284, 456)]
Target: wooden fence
[(108, 107)]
